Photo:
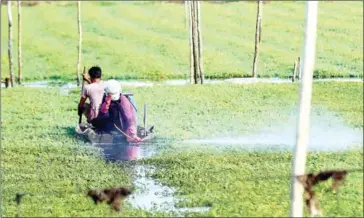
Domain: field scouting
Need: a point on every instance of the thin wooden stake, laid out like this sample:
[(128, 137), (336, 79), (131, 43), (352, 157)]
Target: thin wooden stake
[(195, 43), (294, 71), (19, 44), (303, 125), (186, 13), (299, 68), (257, 36), (79, 41), (200, 64), (145, 119), (192, 61), (10, 44)]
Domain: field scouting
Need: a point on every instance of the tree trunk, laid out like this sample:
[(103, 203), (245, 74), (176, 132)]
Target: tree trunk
[(192, 62), (19, 44), (79, 41), (257, 37), (198, 9), (10, 44)]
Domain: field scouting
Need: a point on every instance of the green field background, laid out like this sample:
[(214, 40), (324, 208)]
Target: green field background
[(149, 40)]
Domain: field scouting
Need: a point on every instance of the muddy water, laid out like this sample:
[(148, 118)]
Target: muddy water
[(149, 194)]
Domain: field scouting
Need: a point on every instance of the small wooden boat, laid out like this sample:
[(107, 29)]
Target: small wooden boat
[(114, 137)]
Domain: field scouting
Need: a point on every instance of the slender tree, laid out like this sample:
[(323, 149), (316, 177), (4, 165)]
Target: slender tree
[(10, 44), (258, 30), (79, 41), (19, 44)]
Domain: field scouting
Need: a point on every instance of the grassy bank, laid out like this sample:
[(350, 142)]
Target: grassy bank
[(149, 40), (40, 154)]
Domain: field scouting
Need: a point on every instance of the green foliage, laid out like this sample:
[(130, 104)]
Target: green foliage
[(149, 40), (256, 184), (41, 155)]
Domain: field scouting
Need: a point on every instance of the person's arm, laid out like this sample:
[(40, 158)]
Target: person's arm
[(106, 105), (86, 78)]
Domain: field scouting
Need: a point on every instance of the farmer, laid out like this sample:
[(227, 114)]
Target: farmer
[(94, 90), (117, 110)]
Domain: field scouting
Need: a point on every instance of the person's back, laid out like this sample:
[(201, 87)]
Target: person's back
[(94, 91)]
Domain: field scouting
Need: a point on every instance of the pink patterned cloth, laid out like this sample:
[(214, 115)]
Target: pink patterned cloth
[(105, 106), (129, 121)]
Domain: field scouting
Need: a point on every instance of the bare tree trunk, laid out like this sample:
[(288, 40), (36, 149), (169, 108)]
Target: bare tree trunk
[(192, 62), (10, 44), (79, 41), (198, 9), (257, 37), (19, 44)]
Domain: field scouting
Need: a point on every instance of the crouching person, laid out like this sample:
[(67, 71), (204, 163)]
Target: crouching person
[(119, 111), (94, 91)]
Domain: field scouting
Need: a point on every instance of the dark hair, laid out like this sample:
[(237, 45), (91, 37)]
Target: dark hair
[(95, 72)]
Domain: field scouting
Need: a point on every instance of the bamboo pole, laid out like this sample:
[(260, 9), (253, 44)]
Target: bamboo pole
[(294, 71), (145, 119), (79, 41), (186, 13), (299, 68), (192, 62), (198, 9), (19, 44), (303, 124), (10, 44), (257, 37), (195, 43)]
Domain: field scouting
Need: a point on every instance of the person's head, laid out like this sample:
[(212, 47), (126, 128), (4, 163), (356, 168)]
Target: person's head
[(113, 88), (95, 73)]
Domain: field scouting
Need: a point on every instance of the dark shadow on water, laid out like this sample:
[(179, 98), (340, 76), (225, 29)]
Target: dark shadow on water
[(119, 152)]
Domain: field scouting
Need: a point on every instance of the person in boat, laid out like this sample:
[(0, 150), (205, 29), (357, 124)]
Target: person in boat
[(117, 110), (94, 91)]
